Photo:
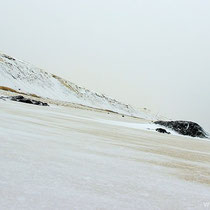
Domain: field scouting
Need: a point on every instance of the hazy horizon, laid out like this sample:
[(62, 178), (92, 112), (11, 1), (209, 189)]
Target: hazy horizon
[(145, 53)]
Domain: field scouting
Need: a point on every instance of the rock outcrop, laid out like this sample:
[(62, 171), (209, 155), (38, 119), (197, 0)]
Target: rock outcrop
[(184, 128), (161, 130), (23, 99), (27, 100)]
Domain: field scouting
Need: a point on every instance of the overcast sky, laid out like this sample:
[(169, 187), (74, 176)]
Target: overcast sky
[(147, 53)]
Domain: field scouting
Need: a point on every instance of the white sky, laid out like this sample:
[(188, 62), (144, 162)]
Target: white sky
[(150, 53)]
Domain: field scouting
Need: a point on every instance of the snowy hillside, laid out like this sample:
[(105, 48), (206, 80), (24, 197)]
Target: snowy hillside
[(22, 77)]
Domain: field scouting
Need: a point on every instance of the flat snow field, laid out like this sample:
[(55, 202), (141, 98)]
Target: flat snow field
[(65, 158)]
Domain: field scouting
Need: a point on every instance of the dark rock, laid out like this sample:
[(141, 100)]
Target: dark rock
[(17, 98), (8, 57), (184, 128), (161, 130), (27, 100), (2, 98)]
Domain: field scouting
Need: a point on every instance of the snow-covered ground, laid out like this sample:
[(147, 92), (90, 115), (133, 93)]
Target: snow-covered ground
[(25, 78), (65, 158)]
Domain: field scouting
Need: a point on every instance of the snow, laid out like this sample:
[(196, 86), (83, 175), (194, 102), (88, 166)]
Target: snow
[(24, 77), (65, 158), (143, 126)]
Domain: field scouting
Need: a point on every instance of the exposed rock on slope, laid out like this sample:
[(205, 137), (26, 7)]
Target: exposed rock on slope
[(23, 99), (161, 130), (22, 77), (27, 100), (184, 128)]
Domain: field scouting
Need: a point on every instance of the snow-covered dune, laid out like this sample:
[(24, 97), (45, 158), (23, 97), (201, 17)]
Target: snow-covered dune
[(62, 158), (24, 77)]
